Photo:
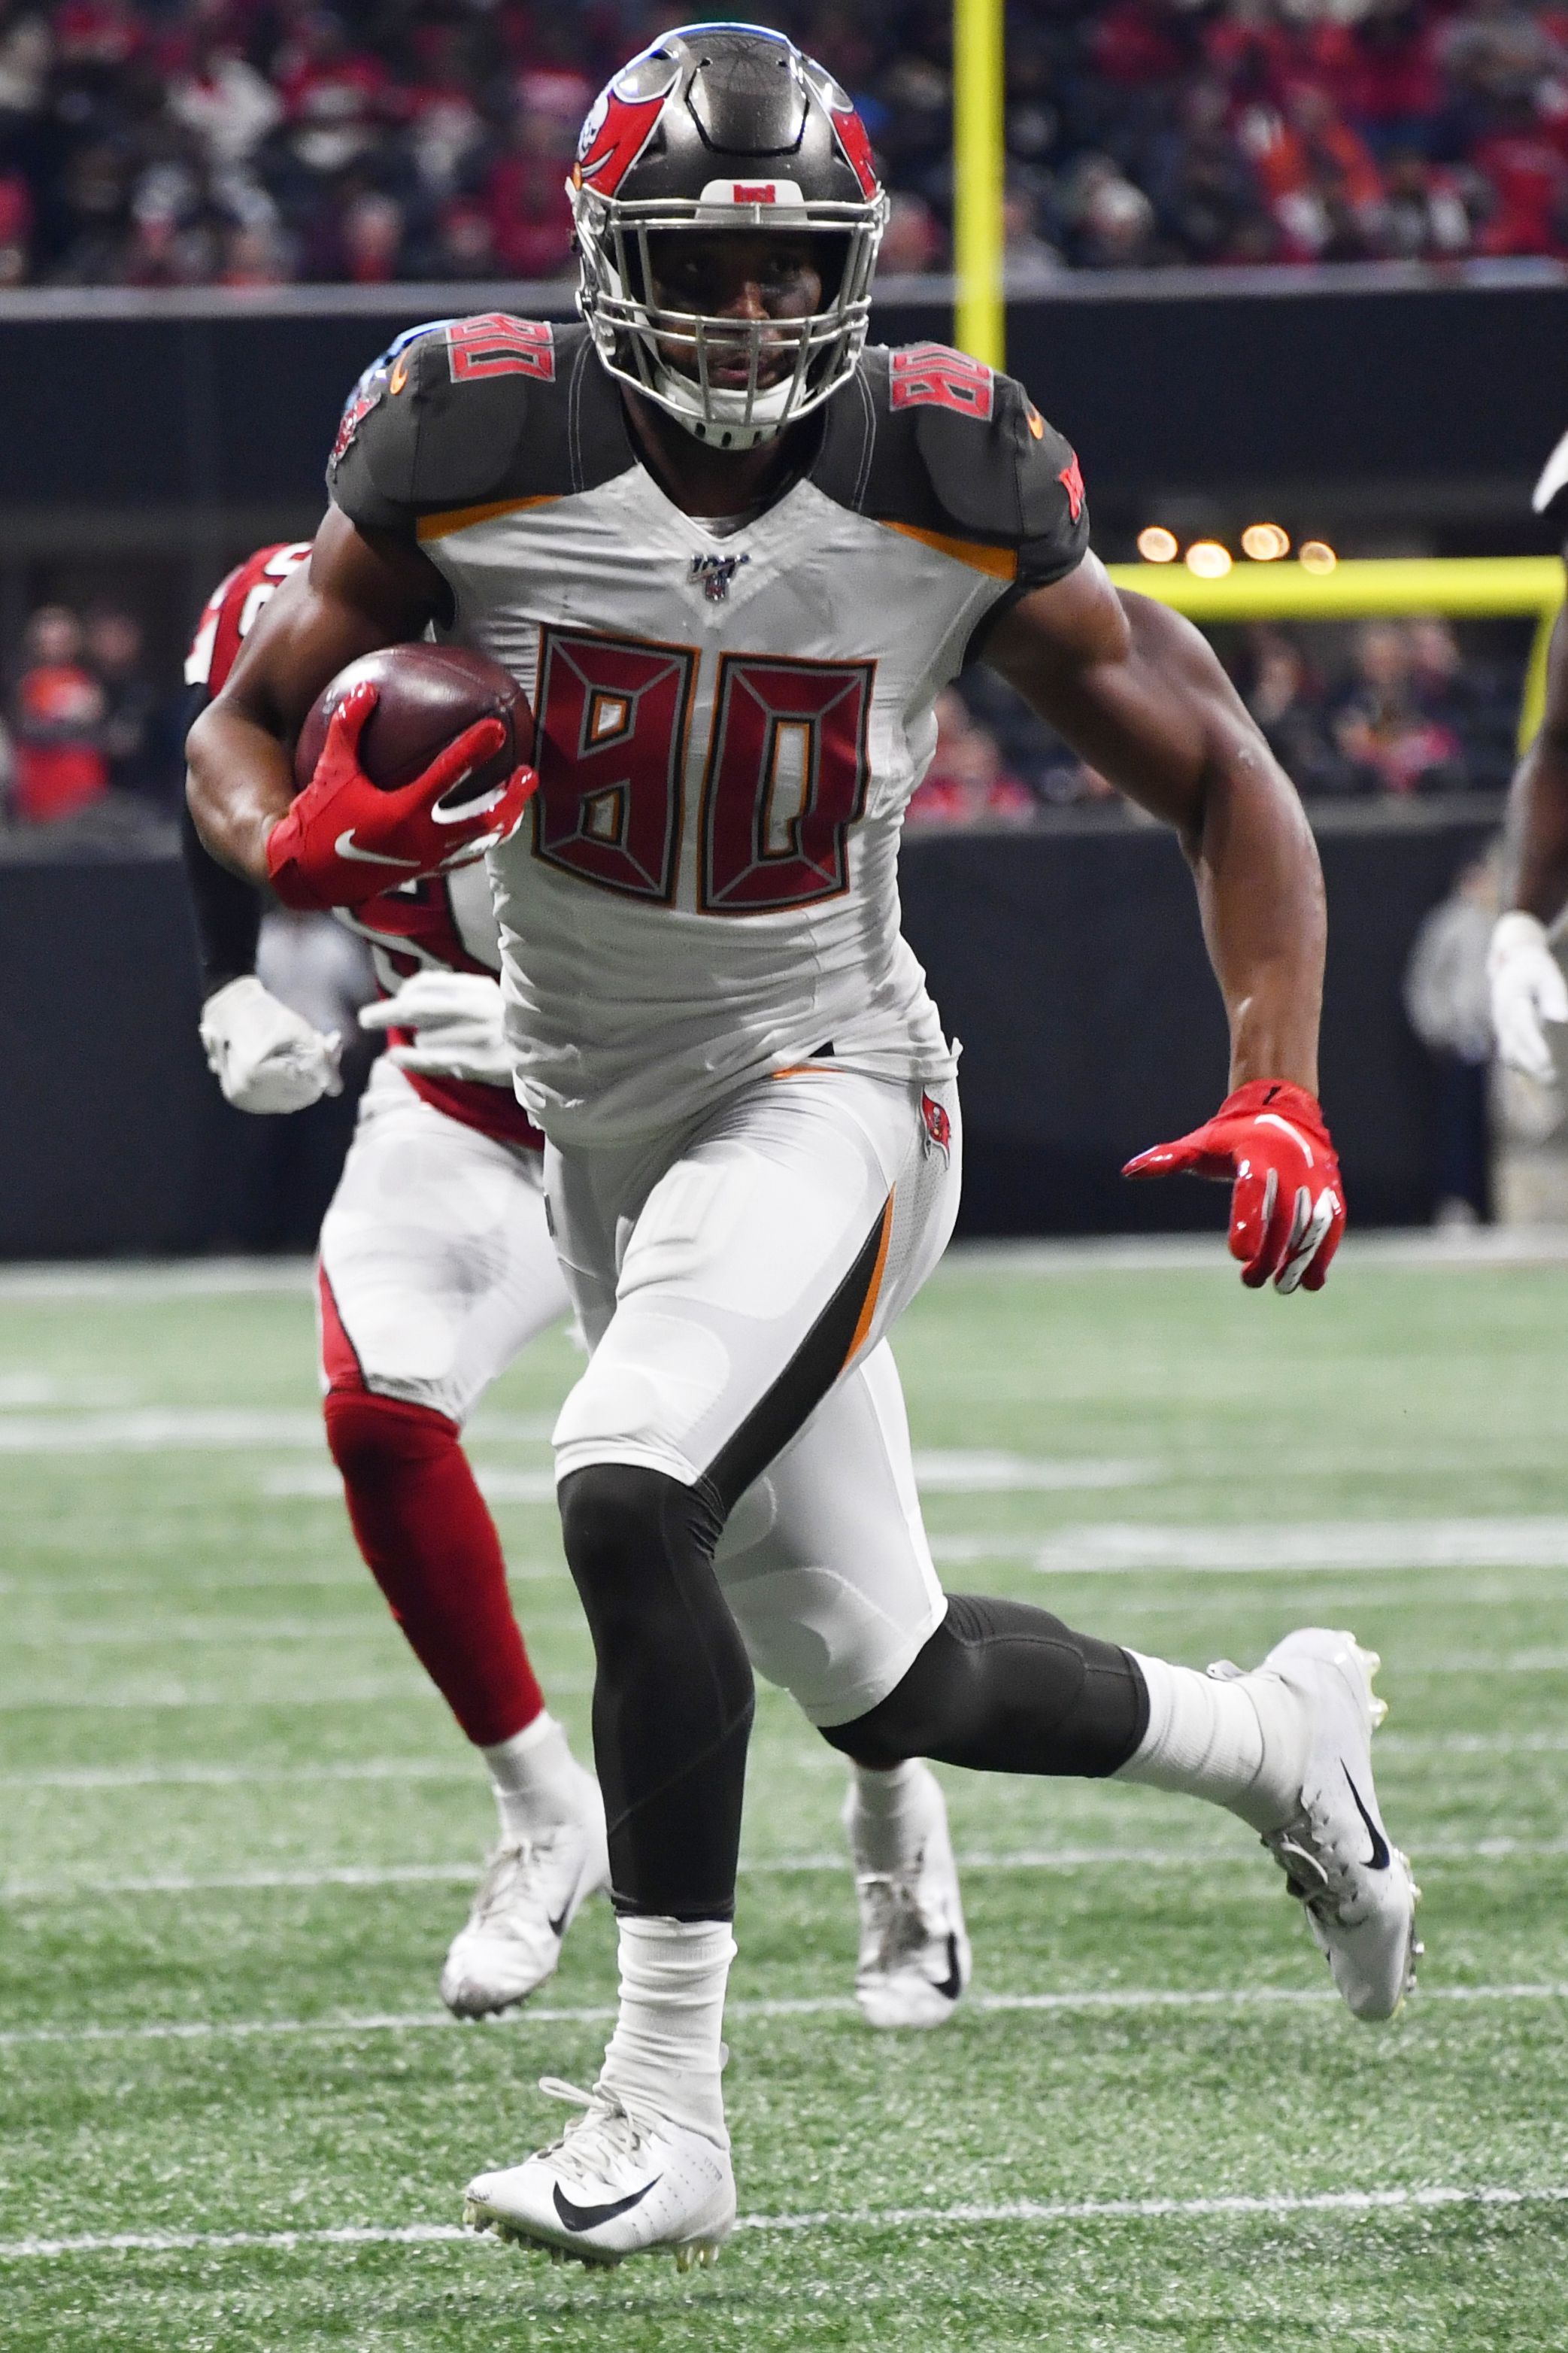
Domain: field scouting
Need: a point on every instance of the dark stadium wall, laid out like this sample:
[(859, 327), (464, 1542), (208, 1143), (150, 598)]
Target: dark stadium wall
[(165, 427), (1069, 963), (1072, 968)]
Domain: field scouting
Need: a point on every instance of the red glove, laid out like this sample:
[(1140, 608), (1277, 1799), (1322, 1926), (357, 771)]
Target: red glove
[(344, 840), (1288, 1210)]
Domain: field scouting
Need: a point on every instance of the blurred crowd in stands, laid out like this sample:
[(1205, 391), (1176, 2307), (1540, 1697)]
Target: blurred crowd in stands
[(86, 728), (248, 142), (87, 732), (1389, 710), (1394, 708)]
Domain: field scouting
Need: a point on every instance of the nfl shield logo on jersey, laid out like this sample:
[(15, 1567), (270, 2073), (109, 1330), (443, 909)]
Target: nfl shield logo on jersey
[(716, 571)]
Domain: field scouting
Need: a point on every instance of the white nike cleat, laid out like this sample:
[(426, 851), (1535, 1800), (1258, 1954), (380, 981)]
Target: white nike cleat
[(1356, 1888), (531, 1892), (613, 2185), (914, 1961)]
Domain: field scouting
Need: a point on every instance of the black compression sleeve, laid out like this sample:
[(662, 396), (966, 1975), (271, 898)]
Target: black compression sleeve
[(1004, 1687), (226, 912)]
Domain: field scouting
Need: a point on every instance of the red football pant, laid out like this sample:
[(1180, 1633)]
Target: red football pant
[(431, 1545)]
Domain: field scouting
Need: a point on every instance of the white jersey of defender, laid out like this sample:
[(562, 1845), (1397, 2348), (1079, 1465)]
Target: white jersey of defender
[(729, 732)]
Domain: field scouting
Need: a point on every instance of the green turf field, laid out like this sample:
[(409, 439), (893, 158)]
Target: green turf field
[(238, 1831)]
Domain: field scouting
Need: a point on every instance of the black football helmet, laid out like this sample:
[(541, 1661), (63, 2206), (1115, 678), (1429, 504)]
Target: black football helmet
[(724, 127)]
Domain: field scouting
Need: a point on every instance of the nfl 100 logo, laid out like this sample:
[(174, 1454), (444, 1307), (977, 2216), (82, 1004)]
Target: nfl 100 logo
[(716, 571)]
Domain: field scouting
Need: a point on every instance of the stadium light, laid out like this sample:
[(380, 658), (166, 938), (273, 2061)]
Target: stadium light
[(980, 325), (1209, 559), (1317, 556), (1466, 587), (1158, 545), (1265, 543)]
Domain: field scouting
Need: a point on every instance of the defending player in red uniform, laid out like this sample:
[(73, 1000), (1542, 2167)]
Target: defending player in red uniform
[(733, 555), (436, 1269)]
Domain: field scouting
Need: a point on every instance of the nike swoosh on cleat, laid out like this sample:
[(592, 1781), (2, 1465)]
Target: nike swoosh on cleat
[(558, 1927), (951, 1986), (588, 2217), (1379, 1858), (346, 846)]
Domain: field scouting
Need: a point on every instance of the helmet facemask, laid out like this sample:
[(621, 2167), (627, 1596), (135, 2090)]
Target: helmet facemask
[(672, 356)]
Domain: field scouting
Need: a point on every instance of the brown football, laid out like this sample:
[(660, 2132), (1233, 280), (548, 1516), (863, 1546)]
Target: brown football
[(426, 696)]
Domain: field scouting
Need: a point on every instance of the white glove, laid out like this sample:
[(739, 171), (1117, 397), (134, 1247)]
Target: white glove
[(1528, 989), (459, 1017), (266, 1057)]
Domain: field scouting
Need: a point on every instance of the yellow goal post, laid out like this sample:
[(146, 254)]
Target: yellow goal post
[(1461, 588), (979, 178)]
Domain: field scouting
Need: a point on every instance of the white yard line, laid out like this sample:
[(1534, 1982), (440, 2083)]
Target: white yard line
[(216, 1277), (1173, 1997), (1087, 1858), (247, 1430), (230, 1633), (161, 1701), (457, 1768), (202, 1277), (166, 1698), (1329, 1547), (953, 1470), (1152, 1253), (302, 1577), (461, 1768), (1276, 2205)]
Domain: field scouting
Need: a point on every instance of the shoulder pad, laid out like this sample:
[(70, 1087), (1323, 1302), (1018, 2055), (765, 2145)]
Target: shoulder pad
[(231, 609), (960, 451), (467, 410), (1548, 496)]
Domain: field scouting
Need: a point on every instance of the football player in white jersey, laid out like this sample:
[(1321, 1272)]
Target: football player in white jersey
[(733, 555), (435, 1270), (1528, 988)]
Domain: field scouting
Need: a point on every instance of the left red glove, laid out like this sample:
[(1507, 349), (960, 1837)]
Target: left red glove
[(343, 839), (1288, 1210)]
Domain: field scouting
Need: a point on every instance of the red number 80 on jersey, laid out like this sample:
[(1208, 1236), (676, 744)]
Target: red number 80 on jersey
[(782, 782)]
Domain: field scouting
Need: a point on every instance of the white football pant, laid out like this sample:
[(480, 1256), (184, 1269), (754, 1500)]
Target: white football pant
[(725, 1273), (437, 1251)]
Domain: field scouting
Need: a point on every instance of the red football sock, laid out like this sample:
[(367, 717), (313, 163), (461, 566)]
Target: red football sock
[(431, 1545)]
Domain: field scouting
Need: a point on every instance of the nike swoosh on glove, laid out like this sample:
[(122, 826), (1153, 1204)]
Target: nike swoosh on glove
[(1528, 990), (457, 1019), (344, 841), (265, 1056), (1288, 1208)]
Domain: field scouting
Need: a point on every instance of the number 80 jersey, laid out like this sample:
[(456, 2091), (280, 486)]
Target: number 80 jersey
[(728, 719)]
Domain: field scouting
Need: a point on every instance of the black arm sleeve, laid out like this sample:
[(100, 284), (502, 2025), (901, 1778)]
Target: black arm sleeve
[(226, 912)]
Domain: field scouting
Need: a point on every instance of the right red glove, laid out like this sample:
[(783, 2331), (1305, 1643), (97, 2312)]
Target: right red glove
[(344, 840), (1268, 1141)]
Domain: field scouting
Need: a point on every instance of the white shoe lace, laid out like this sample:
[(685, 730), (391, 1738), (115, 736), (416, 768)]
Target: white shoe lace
[(595, 2144), (1315, 1874), (894, 1917), (513, 1876)]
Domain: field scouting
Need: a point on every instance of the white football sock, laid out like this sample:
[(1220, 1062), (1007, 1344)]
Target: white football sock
[(1239, 1742), (887, 1815), (665, 2055), (536, 1779)]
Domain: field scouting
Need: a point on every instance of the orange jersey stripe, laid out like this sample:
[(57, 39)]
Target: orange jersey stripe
[(1001, 563), (873, 1289), (440, 526)]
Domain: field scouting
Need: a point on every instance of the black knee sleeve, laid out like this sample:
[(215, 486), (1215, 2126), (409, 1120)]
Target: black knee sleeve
[(1006, 1688), (673, 1695)]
